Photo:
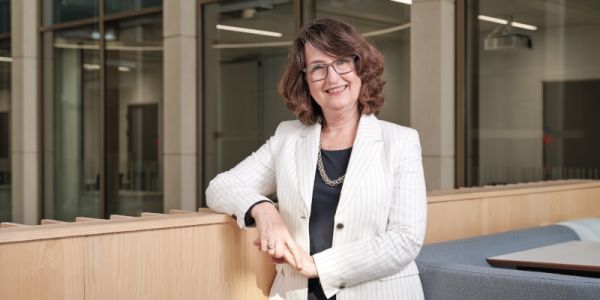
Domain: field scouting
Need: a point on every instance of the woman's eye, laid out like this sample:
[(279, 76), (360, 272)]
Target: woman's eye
[(342, 61), (317, 68)]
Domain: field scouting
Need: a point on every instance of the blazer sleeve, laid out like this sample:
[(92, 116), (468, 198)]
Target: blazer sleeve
[(233, 192), (393, 250)]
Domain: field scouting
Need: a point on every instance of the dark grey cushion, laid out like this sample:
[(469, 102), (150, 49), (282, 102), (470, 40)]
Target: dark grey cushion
[(474, 251), (454, 281), (458, 269)]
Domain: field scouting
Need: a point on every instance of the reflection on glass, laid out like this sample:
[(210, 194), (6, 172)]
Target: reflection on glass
[(5, 191), (71, 124), (58, 11), (134, 90), (533, 92), (241, 72), (116, 6), (386, 25)]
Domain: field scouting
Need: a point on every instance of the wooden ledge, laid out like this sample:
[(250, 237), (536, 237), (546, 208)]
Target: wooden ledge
[(510, 190), (31, 233)]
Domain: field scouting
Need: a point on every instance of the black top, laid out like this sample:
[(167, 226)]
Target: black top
[(322, 212)]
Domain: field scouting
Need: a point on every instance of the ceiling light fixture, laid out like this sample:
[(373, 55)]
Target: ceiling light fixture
[(504, 22), (91, 67), (408, 2), (524, 26), (249, 30), (492, 19)]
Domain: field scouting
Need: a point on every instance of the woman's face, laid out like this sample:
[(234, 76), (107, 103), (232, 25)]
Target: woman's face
[(335, 93)]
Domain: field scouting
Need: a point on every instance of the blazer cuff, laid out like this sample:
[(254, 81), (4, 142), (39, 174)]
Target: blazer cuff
[(242, 209), (331, 282), (248, 219)]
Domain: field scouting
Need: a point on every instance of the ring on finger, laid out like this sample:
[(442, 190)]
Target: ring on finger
[(270, 246)]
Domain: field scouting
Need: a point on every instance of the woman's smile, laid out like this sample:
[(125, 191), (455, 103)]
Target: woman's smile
[(334, 91)]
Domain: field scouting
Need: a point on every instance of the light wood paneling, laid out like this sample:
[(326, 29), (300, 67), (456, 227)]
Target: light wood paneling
[(121, 225), (260, 272), (470, 212), (48, 269), (201, 262)]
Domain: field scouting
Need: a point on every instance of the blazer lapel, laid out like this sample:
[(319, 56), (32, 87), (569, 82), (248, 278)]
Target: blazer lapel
[(307, 148), (367, 145)]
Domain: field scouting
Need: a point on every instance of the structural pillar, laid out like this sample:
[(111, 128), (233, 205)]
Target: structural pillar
[(179, 114), (432, 104), (24, 112)]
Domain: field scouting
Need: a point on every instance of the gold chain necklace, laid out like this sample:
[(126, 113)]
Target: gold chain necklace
[(324, 176)]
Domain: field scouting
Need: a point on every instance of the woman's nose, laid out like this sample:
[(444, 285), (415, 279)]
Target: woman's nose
[(332, 74)]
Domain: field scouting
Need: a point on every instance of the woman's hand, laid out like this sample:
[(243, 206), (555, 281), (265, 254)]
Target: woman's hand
[(309, 268), (273, 235)]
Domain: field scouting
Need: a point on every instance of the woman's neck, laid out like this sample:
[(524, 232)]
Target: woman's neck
[(339, 131)]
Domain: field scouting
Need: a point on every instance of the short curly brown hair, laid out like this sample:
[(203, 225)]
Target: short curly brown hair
[(336, 38)]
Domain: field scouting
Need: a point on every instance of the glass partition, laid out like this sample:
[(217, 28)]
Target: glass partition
[(533, 84), (71, 123), (5, 92), (241, 73), (59, 11), (117, 6), (134, 94)]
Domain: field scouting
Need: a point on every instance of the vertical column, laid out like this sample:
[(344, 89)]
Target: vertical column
[(179, 116), (432, 87), (25, 148)]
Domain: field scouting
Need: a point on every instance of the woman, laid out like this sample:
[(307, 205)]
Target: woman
[(351, 191)]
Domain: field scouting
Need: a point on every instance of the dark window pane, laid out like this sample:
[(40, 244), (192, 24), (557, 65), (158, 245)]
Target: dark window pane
[(242, 70), (58, 11), (71, 123), (134, 90), (4, 16), (116, 6), (533, 91)]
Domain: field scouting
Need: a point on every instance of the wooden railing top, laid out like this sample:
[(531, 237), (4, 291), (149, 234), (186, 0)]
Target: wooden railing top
[(51, 229), (88, 226), (509, 190)]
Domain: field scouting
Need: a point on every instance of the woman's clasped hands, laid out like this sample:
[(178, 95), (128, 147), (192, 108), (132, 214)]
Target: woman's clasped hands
[(275, 239)]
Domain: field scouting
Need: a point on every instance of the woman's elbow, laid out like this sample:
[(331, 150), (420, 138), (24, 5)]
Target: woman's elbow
[(213, 191)]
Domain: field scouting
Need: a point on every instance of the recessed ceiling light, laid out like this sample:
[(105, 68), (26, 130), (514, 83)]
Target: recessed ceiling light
[(504, 22), (249, 30)]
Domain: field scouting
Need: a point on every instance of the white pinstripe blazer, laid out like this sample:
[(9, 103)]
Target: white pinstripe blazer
[(382, 208)]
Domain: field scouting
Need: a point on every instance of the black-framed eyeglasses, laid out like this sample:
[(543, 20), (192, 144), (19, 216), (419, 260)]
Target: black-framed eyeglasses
[(342, 65)]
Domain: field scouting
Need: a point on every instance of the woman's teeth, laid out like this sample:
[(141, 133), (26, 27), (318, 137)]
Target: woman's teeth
[(337, 89)]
